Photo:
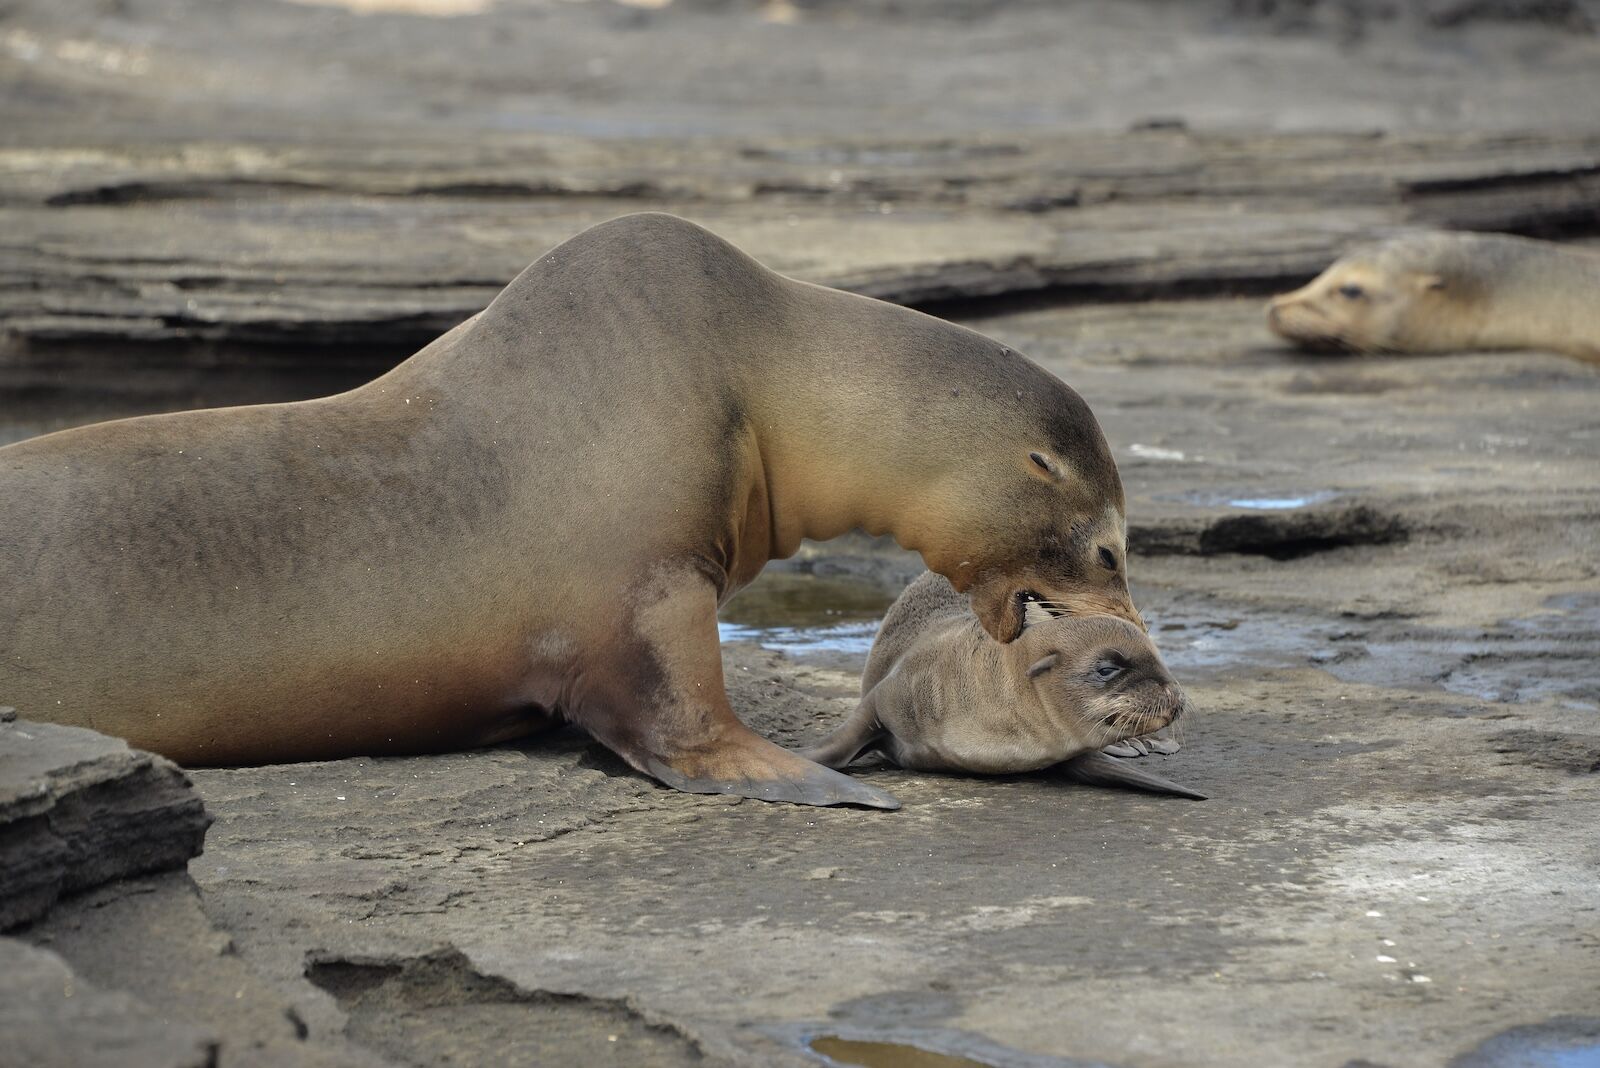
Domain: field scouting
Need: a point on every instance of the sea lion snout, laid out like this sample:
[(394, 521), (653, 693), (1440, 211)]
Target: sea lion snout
[(1275, 316), (1302, 317), (1006, 607)]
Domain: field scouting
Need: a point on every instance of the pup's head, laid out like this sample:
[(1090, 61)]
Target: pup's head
[(1402, 295), (1101, 677)]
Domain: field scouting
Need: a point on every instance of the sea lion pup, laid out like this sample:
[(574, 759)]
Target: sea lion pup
[(939, 694), (536, 517), (1449, 292)]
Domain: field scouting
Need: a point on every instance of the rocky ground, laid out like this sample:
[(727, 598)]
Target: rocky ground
[(1379, 577)]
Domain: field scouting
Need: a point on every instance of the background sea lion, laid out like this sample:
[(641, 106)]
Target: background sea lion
[(537, 516), (939, 694), (1449, 292)]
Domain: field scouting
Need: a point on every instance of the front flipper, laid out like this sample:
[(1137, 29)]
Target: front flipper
[(1100, 770), (851, 738), (658, 701), (1162, 741)]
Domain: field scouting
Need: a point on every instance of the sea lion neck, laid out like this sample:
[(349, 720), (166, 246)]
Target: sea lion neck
[(878, 417)]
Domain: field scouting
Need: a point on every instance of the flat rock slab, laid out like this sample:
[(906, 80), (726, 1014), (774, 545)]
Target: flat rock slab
[(149, 937), (1381, 874), (51, 1018), (326, 253), (78, 809)]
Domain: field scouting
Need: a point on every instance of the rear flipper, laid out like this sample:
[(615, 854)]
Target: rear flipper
[(860, 732), (1101, 770)]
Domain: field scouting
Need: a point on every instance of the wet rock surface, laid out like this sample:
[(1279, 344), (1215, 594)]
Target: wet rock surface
[(1379, 577)]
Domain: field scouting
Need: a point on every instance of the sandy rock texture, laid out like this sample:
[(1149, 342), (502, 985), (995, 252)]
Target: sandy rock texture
[(1379, 577)]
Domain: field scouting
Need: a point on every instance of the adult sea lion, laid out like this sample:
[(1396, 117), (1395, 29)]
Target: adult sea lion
[(1449, 292), (536, 517), (939, 694)]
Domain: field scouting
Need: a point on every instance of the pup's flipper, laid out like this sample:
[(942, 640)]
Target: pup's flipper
[(1101, 770), (851, 738)]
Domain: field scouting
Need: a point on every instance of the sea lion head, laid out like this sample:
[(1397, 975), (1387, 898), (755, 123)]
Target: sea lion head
[(1100, 678), (1401, 295), (1057, 541), (1018, 499)]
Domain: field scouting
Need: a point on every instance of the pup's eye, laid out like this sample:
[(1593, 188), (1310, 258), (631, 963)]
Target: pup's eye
[(1349, 292), (1108, 559), (1108, 669)]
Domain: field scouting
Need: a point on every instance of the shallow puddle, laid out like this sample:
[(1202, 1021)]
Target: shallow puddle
[(1255, 500), (801, 614), (1564, 1042), (1278, 503), (849, 1051), (439, 9)]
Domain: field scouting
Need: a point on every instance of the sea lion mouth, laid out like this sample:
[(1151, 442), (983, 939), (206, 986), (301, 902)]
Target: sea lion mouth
[(1327, 344), (1322, 342), (1036, 609), (1314, 333), (1134, 720)]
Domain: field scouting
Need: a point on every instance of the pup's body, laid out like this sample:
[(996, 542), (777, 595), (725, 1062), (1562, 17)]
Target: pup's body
[(939, 694)]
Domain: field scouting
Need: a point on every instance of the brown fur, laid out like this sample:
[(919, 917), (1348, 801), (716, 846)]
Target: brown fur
[(537, 516), (1450, 292), (940, 694)]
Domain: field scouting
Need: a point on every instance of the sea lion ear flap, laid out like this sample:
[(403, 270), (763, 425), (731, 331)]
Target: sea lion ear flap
[(1039, 667), (1046, 465), (1432, 281)]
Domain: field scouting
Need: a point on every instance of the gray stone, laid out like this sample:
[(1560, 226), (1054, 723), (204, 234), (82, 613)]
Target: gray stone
[(150, 937), (78, 809), (51, 1018)]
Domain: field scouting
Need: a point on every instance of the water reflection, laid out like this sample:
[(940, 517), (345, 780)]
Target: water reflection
[(801, 614)]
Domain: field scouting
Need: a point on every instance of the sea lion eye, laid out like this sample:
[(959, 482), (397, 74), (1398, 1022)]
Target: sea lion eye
[(1352, 292), (1108, 559), (1109, 667)]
